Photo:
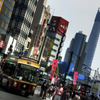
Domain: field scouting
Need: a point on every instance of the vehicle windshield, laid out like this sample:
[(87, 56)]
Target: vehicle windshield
[(26, 73), (9, 67)]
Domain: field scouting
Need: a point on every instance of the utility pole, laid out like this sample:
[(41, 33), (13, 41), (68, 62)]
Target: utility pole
[(66, 72)]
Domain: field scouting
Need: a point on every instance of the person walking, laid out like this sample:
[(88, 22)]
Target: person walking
[(43, 90), (77, 96), (65, 95), (58, 92), (99, 97)]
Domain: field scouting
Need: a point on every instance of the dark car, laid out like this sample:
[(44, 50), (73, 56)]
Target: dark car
[(41, 81)]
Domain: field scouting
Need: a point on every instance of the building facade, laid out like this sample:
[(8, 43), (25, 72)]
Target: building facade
[(6, 8), (57, 32), (39, 26), (76, 52), (20, 23), (92, 42)]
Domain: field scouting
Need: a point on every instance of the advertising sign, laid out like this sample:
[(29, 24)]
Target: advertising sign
[(75, 78), (54, 64), (62, 27), (49, 50), (1, 4), (35, 54), (2, 44), (58, 25), (55, 79), (95, 88)]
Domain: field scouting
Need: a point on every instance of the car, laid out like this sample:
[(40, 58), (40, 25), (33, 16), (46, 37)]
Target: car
[(41, 81)]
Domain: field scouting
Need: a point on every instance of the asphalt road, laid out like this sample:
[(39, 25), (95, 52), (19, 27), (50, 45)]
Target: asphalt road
[(7, 95)]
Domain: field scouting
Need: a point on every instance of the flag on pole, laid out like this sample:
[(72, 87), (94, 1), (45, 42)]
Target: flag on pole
[(54, 64)]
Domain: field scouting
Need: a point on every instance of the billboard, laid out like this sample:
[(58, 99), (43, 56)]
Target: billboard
[(63, 67), (50, 48), (1, 4), (58, 25), (2, 44), (75, 78), (95, 88), (53, 69)]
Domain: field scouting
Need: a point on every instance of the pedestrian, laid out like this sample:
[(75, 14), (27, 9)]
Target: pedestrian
[(48, 86), (58, 92), (65, 95), (51, 90), (92, 96), (99, 97), (77, 96), (43, 90)]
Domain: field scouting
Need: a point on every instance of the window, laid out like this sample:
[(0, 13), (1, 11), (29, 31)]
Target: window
[(52, 56), (55, 44), (3, 24), (28, 44)]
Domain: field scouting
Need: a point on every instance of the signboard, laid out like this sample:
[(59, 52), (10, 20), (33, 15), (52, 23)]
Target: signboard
[(62, 27), (95, 88), (55, 79), (2, 44), (49, 50), (75, 78), (58, 25), (1, 4), (54, 64)]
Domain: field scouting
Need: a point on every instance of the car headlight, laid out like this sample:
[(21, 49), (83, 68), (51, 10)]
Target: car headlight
[(15, 84)]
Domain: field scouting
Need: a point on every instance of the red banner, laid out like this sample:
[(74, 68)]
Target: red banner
[(54, 64), (75, 78), (55, 79), (2, 44)]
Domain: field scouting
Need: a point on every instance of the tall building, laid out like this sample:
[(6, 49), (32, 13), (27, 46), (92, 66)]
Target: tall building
[(57, 32), (39, 25), (6, 8), (20, 23), (92, 42), (76, 52)]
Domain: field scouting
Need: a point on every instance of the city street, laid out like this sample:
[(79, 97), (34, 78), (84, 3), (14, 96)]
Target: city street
[(6, 95)]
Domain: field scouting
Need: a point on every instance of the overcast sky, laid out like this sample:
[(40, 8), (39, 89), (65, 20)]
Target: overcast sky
[(81, 15)]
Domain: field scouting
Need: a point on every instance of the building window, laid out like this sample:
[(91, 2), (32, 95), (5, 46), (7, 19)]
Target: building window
[(55, 44), (28, 44), (52, 56), (54, 50)]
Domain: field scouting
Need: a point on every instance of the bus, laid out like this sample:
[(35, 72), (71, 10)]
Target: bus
[(20, 73)]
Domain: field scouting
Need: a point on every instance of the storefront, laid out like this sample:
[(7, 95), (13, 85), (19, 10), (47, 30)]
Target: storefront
[(2, 45)]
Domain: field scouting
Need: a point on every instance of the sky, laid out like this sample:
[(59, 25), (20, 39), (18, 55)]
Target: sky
[(81, 15)]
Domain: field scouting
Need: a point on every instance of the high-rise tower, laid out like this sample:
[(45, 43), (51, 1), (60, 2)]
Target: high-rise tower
[(92, 42)]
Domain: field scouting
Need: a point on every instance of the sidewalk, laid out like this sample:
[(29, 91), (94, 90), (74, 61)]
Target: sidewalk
[(37, 92)]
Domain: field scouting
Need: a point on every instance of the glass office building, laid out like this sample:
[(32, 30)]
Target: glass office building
[(92, 42), (75, 52)]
